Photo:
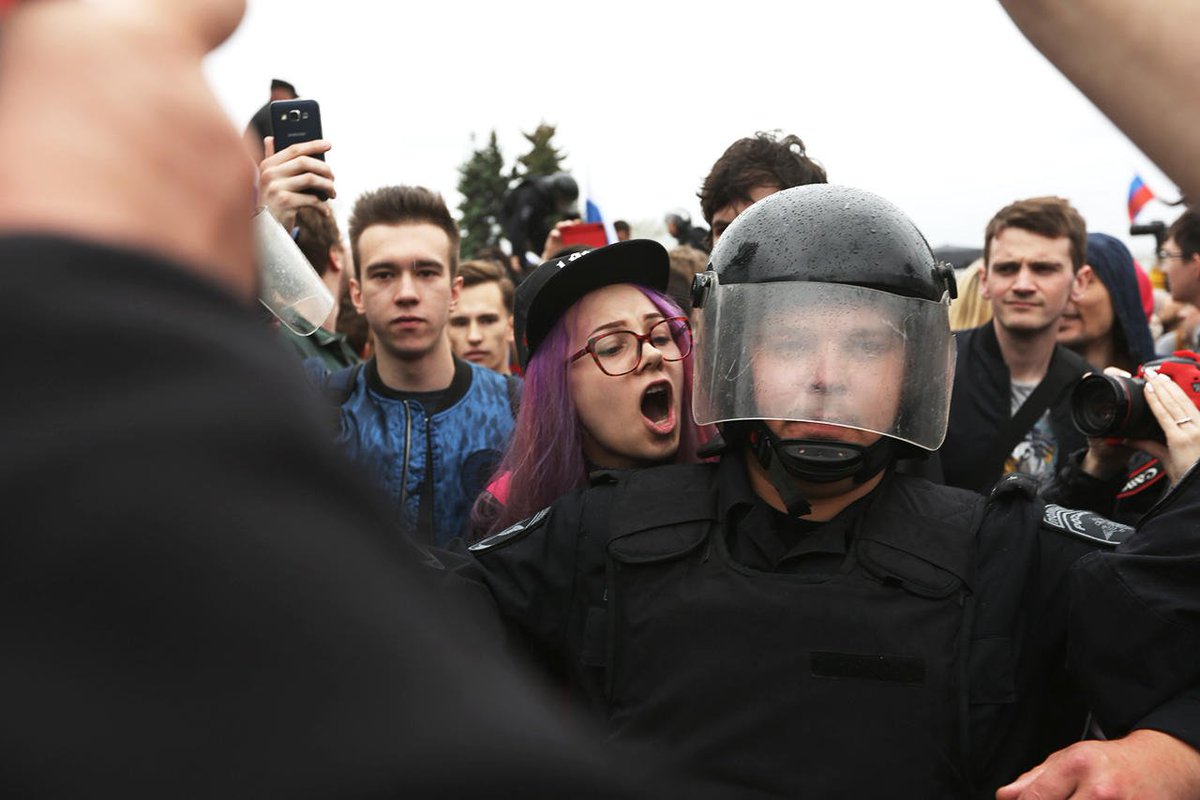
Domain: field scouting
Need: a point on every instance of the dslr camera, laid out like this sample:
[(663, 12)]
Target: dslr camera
[(1108, 406)]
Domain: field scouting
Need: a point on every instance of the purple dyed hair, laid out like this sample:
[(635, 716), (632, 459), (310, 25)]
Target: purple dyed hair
[(545, 459)]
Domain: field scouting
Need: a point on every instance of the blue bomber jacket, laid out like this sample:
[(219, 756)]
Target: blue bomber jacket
[(432, 466)]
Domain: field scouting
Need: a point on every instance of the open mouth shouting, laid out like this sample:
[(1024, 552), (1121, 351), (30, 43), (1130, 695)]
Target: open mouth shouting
[(658, 407)]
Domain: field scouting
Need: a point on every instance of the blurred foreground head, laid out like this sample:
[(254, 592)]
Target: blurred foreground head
[(144, 158)]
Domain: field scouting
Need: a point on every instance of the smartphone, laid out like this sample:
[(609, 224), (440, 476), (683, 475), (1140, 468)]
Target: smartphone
[(295, 121)]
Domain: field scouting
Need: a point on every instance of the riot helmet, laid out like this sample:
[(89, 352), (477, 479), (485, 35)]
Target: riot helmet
[(681, 219), (562, 189), (824, 308)]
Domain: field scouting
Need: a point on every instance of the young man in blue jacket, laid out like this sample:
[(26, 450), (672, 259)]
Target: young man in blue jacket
[(428, 427)]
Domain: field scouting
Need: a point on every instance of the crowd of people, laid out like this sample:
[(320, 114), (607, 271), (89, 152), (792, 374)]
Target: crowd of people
[(624, 523)]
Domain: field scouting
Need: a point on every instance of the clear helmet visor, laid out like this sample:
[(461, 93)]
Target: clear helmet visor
[(824, 353)]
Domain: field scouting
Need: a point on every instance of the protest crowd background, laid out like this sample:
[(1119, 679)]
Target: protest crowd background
[(576, 490)]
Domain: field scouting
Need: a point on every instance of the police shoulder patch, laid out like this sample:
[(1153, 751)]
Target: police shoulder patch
[(1086, 525), (512, 533)]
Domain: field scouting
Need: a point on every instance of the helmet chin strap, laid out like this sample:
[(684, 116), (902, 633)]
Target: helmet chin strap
[(815, 461)]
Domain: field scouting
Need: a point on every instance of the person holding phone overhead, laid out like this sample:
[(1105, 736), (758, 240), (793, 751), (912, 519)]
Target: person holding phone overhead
[(294, 122), (295, 176)]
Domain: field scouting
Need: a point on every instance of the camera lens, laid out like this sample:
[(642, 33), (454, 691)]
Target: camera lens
[(1105, 405), (1099, 405), (293, 115)]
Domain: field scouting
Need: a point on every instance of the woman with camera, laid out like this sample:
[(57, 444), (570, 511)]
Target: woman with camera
[(1107, 325), (1143, 436)]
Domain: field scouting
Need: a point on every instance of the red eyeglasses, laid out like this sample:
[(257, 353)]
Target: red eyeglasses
[(618, 353)]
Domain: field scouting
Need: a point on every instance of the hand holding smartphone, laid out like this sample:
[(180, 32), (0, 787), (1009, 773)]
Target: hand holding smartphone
[(296, 121)]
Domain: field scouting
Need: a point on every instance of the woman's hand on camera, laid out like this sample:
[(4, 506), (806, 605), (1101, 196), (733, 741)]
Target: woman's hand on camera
[(1180, 420)]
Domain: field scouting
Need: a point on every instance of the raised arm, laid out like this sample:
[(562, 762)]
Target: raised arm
[(1137, 62)]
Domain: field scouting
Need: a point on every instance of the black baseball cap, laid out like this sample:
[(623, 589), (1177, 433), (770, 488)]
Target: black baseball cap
[(559, 283)]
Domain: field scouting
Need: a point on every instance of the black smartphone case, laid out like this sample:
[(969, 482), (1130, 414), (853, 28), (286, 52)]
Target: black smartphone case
[(295, 121)]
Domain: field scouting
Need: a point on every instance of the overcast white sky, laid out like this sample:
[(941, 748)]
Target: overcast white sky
[(941, 106)]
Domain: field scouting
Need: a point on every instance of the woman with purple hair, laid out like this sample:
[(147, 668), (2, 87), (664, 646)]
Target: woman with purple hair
[(608, 378)]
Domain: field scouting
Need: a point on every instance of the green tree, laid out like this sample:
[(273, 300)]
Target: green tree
[(543, 157), (482, 184)]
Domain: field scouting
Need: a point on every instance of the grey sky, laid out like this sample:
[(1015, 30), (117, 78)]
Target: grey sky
[(938, 105)]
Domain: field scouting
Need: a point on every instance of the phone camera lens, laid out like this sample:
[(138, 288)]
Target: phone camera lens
[(293, 115)]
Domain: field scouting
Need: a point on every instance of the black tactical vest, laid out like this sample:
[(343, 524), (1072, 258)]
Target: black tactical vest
[(778, 686)]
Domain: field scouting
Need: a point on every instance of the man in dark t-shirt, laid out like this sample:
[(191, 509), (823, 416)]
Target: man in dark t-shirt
[(1033, 265)]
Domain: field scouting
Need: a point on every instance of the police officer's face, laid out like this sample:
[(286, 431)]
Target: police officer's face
[(840, 371), (630, 420)]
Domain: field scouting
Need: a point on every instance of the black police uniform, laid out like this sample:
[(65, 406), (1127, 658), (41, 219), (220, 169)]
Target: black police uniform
[(914, 646), (693, 236)]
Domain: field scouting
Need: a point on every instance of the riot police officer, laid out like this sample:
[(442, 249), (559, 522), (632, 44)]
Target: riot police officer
[(679, 224), (798, 619), (530, 211)]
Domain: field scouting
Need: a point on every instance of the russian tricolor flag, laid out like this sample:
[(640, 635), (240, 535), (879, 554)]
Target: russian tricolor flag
[(1139, 195), (591, 209)]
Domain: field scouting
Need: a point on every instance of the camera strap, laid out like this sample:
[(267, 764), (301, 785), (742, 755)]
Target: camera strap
[(986, 471)]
